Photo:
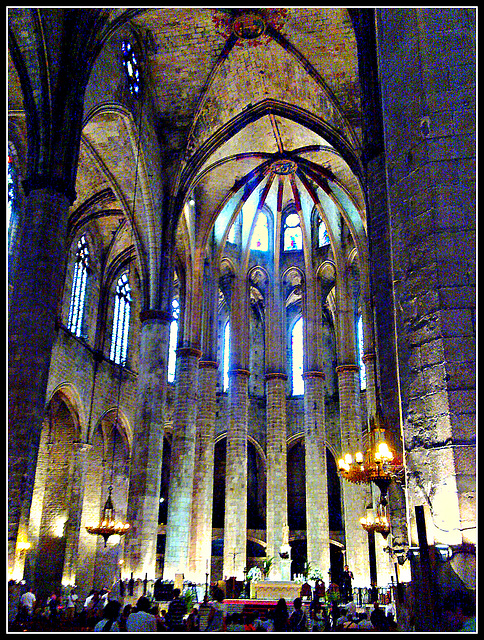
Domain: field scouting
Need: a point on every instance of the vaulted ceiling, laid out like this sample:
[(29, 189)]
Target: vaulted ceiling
[(244, 89)]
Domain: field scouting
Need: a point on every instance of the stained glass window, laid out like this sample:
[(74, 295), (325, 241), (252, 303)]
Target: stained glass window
[(297, 350), (323, 237), (122, 311), (226, 355), (292, 233), (132, 67), (175, 310), (79, 287), (11, 195), (260, 236), (359, 335)]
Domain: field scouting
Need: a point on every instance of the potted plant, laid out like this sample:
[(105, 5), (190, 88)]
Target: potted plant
[(267, 566)]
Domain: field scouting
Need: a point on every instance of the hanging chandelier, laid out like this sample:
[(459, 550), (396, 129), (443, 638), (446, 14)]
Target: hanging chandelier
[(379, 523), (378, 464), (108, 525)]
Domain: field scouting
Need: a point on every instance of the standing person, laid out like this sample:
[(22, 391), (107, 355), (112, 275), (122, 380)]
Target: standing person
[(298, 620), (26, 607), (216, 616), (53, 606), (71, 604), (109, 620), (346, 583), (281, 616), (176, 612), (140, 619)]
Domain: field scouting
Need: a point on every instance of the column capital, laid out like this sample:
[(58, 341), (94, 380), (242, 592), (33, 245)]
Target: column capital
[(36, 182), (208, 364), (275, 376), (189, 351), (347, 367), (368, 357), (155, 314), (307, 375), (242, 372)]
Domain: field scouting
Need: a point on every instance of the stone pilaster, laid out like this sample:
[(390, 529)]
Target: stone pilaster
[(182, 463), (73, 524), (235, 525), (317, 513), (201, 528), (147, 454), (37, 286), (277, 516)]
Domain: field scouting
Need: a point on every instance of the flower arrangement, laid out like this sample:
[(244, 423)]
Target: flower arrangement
[(315, 574)]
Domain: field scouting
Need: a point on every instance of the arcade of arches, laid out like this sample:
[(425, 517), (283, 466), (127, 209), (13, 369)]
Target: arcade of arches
[(235, 236)]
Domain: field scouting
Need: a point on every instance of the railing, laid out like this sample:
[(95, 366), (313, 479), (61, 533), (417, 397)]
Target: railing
[(363, 595)]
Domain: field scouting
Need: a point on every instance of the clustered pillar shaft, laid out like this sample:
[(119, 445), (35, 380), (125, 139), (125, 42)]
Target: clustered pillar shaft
[(182, 463), (201, 529), (145, 480), (235, 525), (317, 516), (277, 516)]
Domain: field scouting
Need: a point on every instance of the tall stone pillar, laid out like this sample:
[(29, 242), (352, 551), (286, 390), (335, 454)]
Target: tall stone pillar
[(182, 463), (276, 468), (37, 286), (317, 513), (432, 219), (201, 528), (355, 497), (147, 454), (235, 524)]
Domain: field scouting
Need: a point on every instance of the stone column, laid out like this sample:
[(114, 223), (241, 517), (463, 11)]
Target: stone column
[(235, 524), (317, 514), (276, 468), (201, 528), (432, 219), (37, 286), (147, 453), (182, 463), (355, 497)]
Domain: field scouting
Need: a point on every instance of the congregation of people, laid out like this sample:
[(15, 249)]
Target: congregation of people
[(101, 613)]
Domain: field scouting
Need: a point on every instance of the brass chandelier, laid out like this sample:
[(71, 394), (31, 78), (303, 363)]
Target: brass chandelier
[(378, 523), (378, 464), (108, 525)]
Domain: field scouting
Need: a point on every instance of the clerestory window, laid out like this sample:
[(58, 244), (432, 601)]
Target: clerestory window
[(292, 233), (122, 311), (175, 310), (131, 67), (359, 341), (297, 353), (260, 236), (226, 343), (75, 319)]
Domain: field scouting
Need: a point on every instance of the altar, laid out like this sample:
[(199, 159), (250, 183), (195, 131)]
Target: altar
[(274, 589)]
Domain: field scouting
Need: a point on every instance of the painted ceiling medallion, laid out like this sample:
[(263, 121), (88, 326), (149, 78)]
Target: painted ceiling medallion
[(248, 26), (283, 167)]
